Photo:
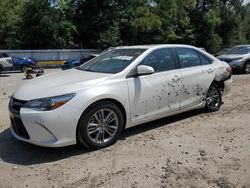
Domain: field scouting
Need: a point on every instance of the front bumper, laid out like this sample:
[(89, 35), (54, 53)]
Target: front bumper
[(53, 128)]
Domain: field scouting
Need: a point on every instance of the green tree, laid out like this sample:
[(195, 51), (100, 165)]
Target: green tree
[(176, 27), (231, 12), (140, 24), (93, 17), (10, 21), (245, 26), (110, 38), (211, 24), (45, 27), (206, 19)]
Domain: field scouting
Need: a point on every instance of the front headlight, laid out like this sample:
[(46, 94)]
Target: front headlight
[(49, 103)]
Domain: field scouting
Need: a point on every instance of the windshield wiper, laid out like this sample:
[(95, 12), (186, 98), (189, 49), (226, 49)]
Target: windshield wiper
[(89, 70)]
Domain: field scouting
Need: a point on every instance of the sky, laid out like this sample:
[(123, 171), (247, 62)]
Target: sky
[(246, 1)]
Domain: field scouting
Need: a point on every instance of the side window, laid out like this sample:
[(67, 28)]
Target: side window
[(160, 60), (188, 57), (205, 60)]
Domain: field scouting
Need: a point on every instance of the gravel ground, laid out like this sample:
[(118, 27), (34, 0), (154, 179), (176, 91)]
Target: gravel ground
[(193, 149)]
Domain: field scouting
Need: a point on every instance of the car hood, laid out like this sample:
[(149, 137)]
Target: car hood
[(58, 83), (232, 56), (5, 58)]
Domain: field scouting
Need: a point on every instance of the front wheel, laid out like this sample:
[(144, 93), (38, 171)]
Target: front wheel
[(247, 68), (213, 98), (100, 126)]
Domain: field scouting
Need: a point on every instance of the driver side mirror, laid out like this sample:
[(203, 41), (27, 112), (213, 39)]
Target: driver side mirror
[(144, 70)]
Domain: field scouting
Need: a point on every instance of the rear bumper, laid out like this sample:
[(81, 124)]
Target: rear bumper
[(227, 86)]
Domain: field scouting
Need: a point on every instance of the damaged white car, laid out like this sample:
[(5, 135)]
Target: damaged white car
[(123, 87)]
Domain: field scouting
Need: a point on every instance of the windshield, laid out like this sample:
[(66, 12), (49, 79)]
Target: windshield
[(113, 61), (239, 50)]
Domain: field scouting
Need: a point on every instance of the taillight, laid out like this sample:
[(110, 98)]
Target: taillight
[(229, 70)]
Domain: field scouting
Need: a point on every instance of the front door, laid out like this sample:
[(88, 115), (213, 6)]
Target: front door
[(159, 93)]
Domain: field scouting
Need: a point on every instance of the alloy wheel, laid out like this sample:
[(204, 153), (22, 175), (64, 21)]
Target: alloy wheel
[(213, 98), (102, 126), (247, 68)]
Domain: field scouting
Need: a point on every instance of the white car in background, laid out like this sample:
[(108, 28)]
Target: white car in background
[(123, 87), (5, 62)]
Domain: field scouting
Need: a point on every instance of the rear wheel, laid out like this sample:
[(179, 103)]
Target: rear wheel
[(100, 126), (213, 98), (247, 68)]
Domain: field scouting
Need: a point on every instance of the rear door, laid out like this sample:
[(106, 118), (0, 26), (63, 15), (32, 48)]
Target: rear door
[(197, 72), (158, 93)]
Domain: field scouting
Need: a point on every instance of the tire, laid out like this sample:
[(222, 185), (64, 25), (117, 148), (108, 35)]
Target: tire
[(0, 70), (247, 68), (29, 76), (213, 98), (93, 131)]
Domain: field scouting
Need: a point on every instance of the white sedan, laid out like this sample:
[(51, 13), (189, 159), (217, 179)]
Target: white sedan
[(123, 87)]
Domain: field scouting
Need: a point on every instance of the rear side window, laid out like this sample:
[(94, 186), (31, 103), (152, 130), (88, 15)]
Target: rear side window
[(188, 57), (191, 58), (161, 60), (204, 60)]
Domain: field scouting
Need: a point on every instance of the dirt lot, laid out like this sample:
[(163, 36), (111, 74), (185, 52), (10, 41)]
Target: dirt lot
[(189, 150)]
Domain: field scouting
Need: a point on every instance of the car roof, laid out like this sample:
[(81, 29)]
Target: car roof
[(152, 46), (246, 45)]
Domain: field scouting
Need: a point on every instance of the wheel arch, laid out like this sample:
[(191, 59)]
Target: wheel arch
[(114, 101), (220, 84), (120, 106), (247, 61)]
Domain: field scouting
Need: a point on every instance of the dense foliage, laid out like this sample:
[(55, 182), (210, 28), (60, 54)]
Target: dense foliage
[(42, 24)]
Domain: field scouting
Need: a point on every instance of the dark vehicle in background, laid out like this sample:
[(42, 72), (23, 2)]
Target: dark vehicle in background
[(22, 63), (76, 62), (223, 51), (79, 61), (238, 58)]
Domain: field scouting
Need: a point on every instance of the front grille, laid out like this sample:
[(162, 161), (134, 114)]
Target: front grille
[(19, 128), (16, 104), (17, 125)]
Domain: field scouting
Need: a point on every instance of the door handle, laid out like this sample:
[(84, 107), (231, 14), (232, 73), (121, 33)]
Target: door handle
[(176, 78), (210, 70)]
